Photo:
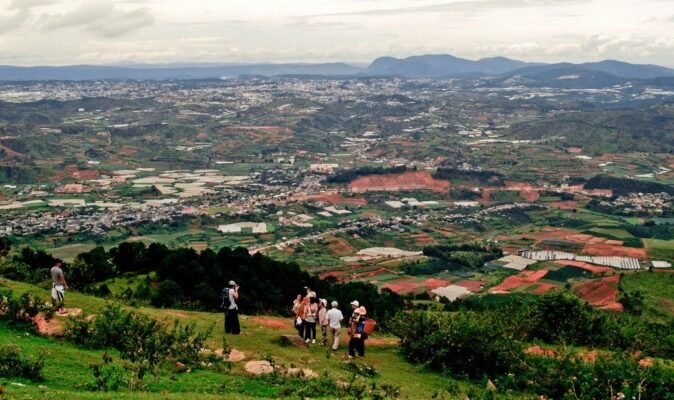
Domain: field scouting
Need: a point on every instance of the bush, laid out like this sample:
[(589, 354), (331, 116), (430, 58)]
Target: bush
[(140, 340), (483, 343), (21, 310), (14, 365)]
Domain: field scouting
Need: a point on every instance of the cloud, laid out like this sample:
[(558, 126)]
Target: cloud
[(12, 22), (27, 4), (101, 19), (455, 6)]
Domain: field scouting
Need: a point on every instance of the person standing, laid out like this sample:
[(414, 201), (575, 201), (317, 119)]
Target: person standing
[(358, 336), (58, 288), (298, 314), (232, 309), (310, 316), (323, 320), (335, 319)]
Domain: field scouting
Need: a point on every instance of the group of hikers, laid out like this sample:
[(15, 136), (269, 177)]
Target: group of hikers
[(308, 311)]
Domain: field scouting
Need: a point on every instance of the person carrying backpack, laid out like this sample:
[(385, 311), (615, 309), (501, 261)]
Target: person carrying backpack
[(357, 332), (229, 297)]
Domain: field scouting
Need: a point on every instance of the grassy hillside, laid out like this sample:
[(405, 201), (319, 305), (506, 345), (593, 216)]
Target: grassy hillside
[(67, 370)]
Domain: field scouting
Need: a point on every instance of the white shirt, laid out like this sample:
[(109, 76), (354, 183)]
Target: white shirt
[(335, 318)]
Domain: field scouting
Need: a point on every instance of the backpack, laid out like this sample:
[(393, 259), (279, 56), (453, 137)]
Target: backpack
[(369, 326), (224, 299)]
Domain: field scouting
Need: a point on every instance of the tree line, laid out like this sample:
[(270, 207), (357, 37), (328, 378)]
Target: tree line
[(185, 278)]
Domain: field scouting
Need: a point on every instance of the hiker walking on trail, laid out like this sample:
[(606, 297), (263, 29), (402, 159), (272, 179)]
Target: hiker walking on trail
[(58, 287), (357, 331), (230, 295), (335, 319), (323, 320), (310, 317)]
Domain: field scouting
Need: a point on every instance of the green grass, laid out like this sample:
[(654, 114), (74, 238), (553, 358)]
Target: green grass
[(656, 288), (67, 365), (660, 249), (69, 251)]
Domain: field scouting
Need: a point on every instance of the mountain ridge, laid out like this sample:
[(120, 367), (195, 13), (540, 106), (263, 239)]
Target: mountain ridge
[(419, 66)]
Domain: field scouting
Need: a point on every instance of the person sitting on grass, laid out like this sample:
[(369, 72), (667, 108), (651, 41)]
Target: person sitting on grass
[(59, 287)]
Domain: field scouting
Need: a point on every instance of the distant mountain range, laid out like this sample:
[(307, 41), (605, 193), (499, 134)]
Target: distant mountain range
[(499, 70)]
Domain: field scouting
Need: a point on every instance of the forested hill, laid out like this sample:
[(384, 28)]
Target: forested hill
[(608, 131)]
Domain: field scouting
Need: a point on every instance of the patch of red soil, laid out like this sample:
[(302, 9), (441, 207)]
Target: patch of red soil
[(524, 278), (47, 328), (394, 182), (432, 283), (536, 350), (383, 342), (335, 274), (564, 205), (85, 174), (473, 286), (271, 323), (595, 269), (603, 249), (530, 195), (339, 246), (373, 273), (336, 198), (542, 288), (601, 292), (401, 286), (575, 150), (423, 239)]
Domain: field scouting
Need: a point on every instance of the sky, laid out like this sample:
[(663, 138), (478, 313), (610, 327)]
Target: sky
[(66, 32)]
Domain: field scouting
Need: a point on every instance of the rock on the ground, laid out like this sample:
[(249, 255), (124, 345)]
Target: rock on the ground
[(234, 355), (69, 312), (259, 367), (304, 372), (293, 340)]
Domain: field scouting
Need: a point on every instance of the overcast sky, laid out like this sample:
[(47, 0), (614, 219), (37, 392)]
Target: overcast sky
[(59, 32)]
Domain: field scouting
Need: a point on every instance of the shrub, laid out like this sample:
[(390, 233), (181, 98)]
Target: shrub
[(21, 310), (141, 340), (14, 365)]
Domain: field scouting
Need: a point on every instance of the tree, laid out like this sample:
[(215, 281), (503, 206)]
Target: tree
[(5, 246)]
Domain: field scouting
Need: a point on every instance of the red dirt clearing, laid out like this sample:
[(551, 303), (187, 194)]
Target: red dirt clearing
[(564, 205), (603, 249), (336, 198), (339, 246), (543, 288), (401, 286), (601, 293), (432, 283), (473, 286), (583, 265), (395, 182), (423, 239), (524, 278), (272, 323)]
